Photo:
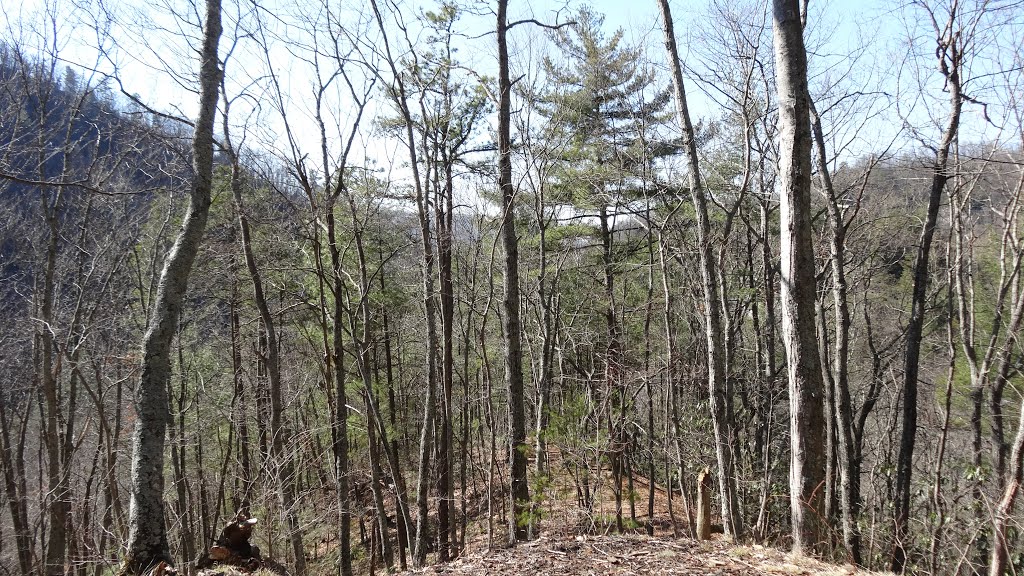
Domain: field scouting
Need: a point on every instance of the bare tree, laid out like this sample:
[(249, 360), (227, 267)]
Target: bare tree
[(1004, 509), (1013, 480), (950, 54), (713, 299), (798, 294), (147, 536), (282, 460), (399, 93), (520, 492)]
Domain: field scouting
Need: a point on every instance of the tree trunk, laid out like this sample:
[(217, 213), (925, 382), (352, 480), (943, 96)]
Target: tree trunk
[(176, 438), (446, 489), (280, 434), (949, 61), (147, 533), (362, 326), (765, 407), (13, 460), (520, 489), (840, 381), (430, 402), (547, 290), (241, 412), (938, 501), (340, 424), (1004, 510), (377, 481), (806, 389), (714, 334), (648, 387), (57, 503), (430, 316)]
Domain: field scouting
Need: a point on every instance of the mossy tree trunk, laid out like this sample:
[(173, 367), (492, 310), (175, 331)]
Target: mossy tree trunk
[(147, 532)]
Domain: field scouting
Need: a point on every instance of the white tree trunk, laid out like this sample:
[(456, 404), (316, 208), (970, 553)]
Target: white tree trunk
[(806, 387), (147, 534)]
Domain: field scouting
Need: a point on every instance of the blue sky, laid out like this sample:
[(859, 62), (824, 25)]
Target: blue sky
[(836, 27)]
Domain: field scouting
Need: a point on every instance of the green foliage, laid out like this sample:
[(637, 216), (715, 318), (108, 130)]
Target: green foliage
[(604, 106), (559, 237), (445, 105)]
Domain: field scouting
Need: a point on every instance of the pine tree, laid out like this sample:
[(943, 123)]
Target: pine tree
[(603, 105)]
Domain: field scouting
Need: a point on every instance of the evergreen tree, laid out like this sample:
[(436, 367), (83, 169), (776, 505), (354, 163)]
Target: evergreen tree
[(602, 102), (604, 106)]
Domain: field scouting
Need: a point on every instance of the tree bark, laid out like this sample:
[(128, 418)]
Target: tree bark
[(849, 471), (147, 533), (806, 388), (12, 456), (58, 505), (949, 64), (1004, 510), (520, 490), (444, 208), (280, 434), (398, 93), (714, 333)]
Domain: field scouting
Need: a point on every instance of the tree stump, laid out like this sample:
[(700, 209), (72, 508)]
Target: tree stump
[(704, 504), (232, 549)]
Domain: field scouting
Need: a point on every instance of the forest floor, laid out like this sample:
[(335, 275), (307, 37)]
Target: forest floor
[(564, 549), (631, 554)]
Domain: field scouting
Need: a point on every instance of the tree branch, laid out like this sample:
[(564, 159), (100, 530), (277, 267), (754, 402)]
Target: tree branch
[(539, 23)]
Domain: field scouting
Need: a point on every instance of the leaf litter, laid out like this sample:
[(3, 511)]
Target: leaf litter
[(631, 554)]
